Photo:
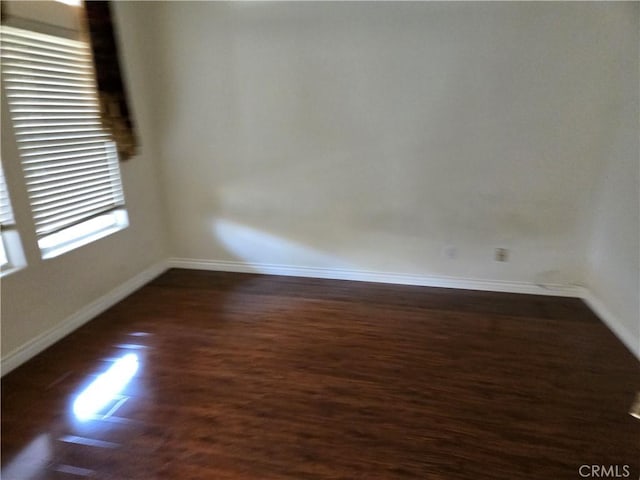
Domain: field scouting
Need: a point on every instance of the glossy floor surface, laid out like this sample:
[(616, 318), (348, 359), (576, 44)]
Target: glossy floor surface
[(203, 375)]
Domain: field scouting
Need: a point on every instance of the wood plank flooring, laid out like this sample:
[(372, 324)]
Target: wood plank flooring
[(262, 377)]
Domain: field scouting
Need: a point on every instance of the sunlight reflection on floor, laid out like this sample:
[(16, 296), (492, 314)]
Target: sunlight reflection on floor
[(106, 387)]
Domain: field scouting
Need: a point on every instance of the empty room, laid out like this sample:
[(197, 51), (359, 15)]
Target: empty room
[(320, 240)]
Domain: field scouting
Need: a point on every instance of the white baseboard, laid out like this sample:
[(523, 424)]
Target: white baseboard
[(48, 338), (380, 277), (36, 345), (612, 322), (596, 305)]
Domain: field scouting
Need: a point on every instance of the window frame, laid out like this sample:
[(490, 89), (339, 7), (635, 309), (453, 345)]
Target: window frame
[(96, 223), (12, 255)]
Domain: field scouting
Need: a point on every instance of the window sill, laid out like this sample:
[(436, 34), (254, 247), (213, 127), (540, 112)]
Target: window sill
[(12, 253), (8, 270), (119, 221)]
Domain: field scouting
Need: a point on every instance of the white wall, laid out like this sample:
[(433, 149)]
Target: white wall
[(370, 136), (367, 136), (40, 300), (614, 254)]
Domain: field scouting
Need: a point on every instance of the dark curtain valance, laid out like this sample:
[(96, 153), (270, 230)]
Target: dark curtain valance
[(114, 107)]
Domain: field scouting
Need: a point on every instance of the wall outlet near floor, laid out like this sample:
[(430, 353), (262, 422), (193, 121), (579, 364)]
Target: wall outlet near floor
[(501, 255)]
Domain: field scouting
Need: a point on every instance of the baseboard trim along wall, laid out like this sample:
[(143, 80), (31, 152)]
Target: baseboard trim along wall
[(36, 345), (30, 349), (379, 277), (596, 305)]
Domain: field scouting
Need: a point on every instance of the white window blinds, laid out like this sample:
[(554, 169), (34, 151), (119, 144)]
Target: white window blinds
[(70, 165)]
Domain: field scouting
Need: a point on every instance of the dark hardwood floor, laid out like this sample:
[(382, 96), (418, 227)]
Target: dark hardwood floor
[(261, 377)]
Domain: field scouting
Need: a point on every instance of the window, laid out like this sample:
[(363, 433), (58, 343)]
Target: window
[(70, 164), (11, 253), (6, 219)]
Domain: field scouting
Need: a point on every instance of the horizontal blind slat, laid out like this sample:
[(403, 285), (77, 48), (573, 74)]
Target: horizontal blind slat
[(25, 119), (69, 172), (49, 77), (47, 108), (15, 56), (59, 213), (63, 143), (68, 121), (53, 154), (72, 178), (16, 48), (44, 195), (20, 88), (41, 159), (37, 83), (43, 229), (56, 72), (45, 133), (44, 166), (42, 178), (26, 96), (46, 189), (61, 201)]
